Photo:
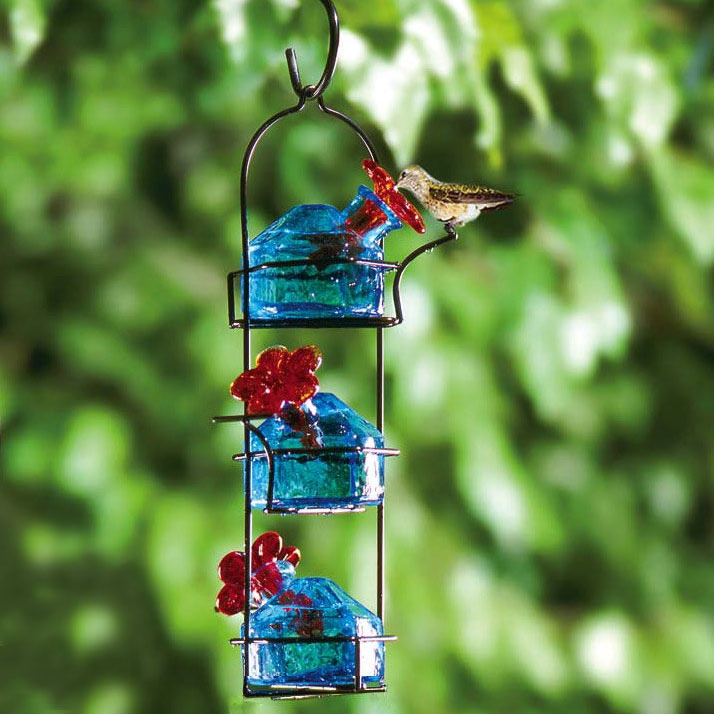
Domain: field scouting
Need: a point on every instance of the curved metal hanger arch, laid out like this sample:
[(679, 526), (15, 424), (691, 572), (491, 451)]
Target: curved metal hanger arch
[(305, 93)]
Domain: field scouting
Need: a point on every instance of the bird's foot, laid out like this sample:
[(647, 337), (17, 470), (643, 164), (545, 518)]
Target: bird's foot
[(449, 227)]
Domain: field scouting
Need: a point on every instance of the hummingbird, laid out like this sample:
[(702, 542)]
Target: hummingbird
[(451, 203)]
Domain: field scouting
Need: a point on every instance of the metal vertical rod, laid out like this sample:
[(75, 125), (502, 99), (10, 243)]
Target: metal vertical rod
[(248, 550), (380, 379), (380, 507), (380, 561), (245, 304), (248, 465), (358, 665)]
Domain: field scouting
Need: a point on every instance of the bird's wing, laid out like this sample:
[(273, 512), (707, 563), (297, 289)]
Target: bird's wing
[(484, 197)]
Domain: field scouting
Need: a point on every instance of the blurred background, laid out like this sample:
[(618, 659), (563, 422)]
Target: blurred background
[(550, 532)]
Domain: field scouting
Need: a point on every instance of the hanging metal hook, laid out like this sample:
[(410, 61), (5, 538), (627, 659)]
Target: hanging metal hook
[(313, 91)]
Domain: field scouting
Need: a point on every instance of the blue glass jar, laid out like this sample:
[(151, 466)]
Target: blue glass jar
[(332, 466), (318, 288), (314, 608)]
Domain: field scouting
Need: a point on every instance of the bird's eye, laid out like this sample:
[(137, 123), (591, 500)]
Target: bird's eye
[(402, 175)]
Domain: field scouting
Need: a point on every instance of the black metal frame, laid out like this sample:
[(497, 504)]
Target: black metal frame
[(311, 692), (384, 321), (305, 94), (269, 453)]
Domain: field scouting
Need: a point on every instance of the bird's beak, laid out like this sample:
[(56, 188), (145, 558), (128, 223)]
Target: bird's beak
[(398, 184)]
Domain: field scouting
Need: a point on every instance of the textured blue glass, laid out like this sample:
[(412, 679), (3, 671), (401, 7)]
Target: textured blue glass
[(320, 291), (331, 612), (332, 480)]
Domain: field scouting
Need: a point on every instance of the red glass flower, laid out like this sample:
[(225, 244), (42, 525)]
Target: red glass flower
[(280, 377), (266, 577), (384, 187)]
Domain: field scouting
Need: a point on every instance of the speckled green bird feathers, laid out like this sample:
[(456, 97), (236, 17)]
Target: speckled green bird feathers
[(452, 203)]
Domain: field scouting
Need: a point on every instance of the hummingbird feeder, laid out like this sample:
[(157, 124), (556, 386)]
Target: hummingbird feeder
[(318, 267), (314, 454)]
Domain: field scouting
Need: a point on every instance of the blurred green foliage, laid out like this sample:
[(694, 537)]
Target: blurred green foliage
[(551, 521)]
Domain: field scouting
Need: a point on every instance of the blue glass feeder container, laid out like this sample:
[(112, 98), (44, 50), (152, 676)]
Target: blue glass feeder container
[(338, 478), (315, 607), (316, 235)]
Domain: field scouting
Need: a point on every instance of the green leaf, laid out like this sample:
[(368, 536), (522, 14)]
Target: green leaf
[(379, 14), (639, 95), (520, 74), (27, 26), (686, 190), (500, 39)]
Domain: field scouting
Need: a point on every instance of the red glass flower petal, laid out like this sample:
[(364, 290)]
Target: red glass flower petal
[(385, 188), (298, 383), (405, 211), (266, 549), (231, 569), (230, 599), (380, 177), (299, 388), (303, 359), (291, 554), (266, 581), (268, 402), (271, 360), (247, 384)]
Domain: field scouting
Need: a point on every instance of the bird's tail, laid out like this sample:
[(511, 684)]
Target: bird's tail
[(499, 201)]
